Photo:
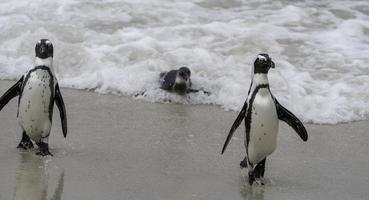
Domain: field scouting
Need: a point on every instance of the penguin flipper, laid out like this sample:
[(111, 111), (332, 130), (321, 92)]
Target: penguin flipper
[(60, 103), (11, 93), (190, 90), (167, 79), (235, 125), (288, 117), (162, 75)]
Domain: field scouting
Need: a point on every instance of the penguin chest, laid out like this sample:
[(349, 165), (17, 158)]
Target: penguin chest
[(181, 85), (263, 128), (36, 103), (181, 88)]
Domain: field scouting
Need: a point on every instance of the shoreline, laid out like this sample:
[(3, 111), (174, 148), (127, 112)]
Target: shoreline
[(142, 100), (122, 148)]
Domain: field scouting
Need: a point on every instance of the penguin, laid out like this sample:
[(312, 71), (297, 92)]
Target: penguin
[(262, 113), (37, 89), (178, 81)]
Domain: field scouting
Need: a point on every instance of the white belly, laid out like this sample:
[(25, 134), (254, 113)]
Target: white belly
[(263, 128), (35, 105)]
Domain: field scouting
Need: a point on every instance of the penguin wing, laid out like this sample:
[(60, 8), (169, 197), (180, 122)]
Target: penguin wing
[(191, 90), (288, 117), (161, 77), (235, 125), (12, 92), (168, 79), (60, 103)]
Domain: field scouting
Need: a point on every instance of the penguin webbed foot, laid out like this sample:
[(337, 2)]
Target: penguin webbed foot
[(257, 174), (255, 177), (259, 181), (25, 145), (25, 142), (44, 153), (43, 149), (251, 177)]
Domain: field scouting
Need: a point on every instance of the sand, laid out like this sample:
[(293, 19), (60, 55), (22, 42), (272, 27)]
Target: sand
[(121, 148)]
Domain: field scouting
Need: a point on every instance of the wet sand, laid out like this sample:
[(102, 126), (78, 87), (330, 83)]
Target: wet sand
[(120, 148)]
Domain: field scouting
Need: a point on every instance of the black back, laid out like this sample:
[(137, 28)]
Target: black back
[(168, 79)]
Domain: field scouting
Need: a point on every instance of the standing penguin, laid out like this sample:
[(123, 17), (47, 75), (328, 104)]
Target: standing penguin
[(262, 113), (37, 90)]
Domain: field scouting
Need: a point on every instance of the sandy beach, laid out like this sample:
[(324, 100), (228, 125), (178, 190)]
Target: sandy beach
[(121, 148)]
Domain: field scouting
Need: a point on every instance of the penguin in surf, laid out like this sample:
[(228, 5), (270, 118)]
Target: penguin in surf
[(178, 81)]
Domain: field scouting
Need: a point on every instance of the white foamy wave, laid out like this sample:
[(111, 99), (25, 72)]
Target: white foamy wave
[(320, 49)]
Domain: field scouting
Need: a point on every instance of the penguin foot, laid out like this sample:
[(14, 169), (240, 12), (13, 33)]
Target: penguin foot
[(243, 163), (44, 153), (43, 149), (259, 169), (25, 145), (25, 142), (259, 181), (255, 177)]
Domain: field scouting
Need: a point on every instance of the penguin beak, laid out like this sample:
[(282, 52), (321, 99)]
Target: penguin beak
[(183, 76), (42, 49)]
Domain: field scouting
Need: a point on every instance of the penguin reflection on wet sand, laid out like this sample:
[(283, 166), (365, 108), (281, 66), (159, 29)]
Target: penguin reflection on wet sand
[(262, 113), (178, 81), (32, 179), (38, 89)]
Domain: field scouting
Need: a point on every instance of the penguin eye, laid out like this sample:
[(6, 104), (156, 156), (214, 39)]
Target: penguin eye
[(262, 61)]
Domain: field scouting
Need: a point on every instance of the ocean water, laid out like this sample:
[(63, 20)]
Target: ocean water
[(321, 49)]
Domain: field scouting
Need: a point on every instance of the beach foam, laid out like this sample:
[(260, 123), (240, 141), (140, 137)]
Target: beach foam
[(320, 49)]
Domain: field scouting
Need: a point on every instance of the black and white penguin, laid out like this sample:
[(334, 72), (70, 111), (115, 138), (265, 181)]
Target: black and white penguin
[(38, 89), (262, 113), (178, 81)]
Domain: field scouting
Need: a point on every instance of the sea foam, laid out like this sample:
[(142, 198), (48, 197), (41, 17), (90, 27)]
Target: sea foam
[(120, 47)]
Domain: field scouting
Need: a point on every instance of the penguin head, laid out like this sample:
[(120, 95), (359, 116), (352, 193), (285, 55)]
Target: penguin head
[(184, 73), (44, 49), (263, 63)]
